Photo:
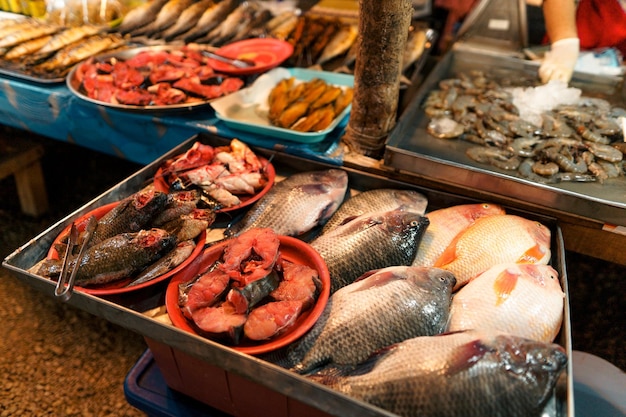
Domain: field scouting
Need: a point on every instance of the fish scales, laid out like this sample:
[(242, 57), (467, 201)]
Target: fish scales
[(380, 199), (445, 225), (297, 204), (370, 241), (389, 306), (525, 300), (470, 373)]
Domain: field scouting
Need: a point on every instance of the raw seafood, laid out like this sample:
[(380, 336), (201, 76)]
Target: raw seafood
[(370, 241), (389, 306), (468, 373), (379, 199), (445, 224), (297, 204), (165, 264), (492, 240), (525, 300)]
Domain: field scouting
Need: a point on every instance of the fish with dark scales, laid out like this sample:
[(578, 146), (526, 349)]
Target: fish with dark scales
[(385, 307), (368, 242), (471, 374)]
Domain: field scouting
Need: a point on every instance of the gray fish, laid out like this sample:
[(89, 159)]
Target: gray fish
[(254, 27), (165, 264), (380, 199), (187, 19), (230, 26), (297, 204), (131, 214), (118, 257), (389, 306), (369, 242), (178, 204), (210, 19), (141, 16), (471, 373)]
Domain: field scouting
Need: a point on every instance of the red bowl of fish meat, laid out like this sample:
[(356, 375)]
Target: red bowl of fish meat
[(119, 286), (161, 184), (291, 249)]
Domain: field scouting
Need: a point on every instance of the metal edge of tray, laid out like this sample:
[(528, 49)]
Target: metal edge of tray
[(124, 310), (411, 149)]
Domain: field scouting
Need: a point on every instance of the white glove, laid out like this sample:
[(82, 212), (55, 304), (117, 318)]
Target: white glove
[(559, 62)]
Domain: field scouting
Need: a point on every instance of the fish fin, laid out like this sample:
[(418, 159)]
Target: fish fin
[(449, 254), (466, 356), (532, 255), (505, 284)]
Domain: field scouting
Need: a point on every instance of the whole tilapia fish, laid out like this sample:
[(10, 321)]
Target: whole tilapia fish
[(297, 204), (380, 199), (470, 374), (445, 225), (525, 300), (131, 214), (492, 240), (389, 306), (118, 257), (141, 15), (368, 242)]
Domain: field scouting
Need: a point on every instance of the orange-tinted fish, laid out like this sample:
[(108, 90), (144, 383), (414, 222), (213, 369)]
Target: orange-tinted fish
[(525, 300), (493, 240), (445, 224)]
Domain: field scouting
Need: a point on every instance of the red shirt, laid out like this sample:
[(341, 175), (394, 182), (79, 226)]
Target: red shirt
[(601, 24)]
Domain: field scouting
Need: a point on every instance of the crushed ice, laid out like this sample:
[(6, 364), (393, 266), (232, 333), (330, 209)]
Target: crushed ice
[(533, 101)]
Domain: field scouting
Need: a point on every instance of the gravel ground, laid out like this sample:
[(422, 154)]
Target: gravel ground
[(57, 360)]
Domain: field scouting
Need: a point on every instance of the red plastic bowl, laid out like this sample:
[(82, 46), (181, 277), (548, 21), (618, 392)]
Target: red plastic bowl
[(266, 53), (270, 174), (119, 286), (291, 249)]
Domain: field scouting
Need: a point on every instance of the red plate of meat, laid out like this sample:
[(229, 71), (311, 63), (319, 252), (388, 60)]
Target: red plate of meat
[(231, 177), (265, 53), (154, 78), (120, 286), (256, 292)]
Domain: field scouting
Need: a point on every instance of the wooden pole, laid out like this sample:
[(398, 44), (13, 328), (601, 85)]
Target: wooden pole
[(383, 29)]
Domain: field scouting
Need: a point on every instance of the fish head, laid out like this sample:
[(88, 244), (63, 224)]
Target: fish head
[(541, 275), (541, 234), (157, 240), (404, 223), (441, 279), (476, 211)]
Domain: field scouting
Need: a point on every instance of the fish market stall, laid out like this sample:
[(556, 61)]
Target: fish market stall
[(239, 379), (424, 143)]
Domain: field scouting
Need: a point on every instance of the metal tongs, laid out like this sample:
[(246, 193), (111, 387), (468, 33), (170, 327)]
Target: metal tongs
[(65, 284), (239, 63)]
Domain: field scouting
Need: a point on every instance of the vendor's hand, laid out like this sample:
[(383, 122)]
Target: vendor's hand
[(559, 62)]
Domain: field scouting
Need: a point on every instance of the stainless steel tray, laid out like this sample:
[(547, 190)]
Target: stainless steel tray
[(411, 149), (127, 310)]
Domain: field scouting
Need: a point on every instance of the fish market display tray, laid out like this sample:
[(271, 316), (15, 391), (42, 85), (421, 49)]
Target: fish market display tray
[(410, 148), (234, 382), (245, 109)]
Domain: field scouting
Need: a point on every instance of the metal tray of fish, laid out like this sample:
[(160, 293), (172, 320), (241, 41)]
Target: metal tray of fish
[(410, 148), (132, 310)]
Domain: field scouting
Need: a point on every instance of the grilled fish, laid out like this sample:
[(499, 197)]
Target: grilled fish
[(231, 25), (27, 48), (380, 199), (467, 373), (27, 34), (187, 19), (166, 17), (210, 19), (389, 306), (339, 44), (369, 242), (525, 300), (297, 204), (141, 16)]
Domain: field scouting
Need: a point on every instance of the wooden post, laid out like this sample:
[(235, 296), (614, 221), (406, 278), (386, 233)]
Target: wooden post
[(383, 29)]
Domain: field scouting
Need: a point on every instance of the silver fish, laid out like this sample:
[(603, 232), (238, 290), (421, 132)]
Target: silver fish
[(391, 305), (234, 22), (380, 199), (297, 204), (167, 263), (210, 19), (141, 15), (369, 242), (467, 374), (187, 19)]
